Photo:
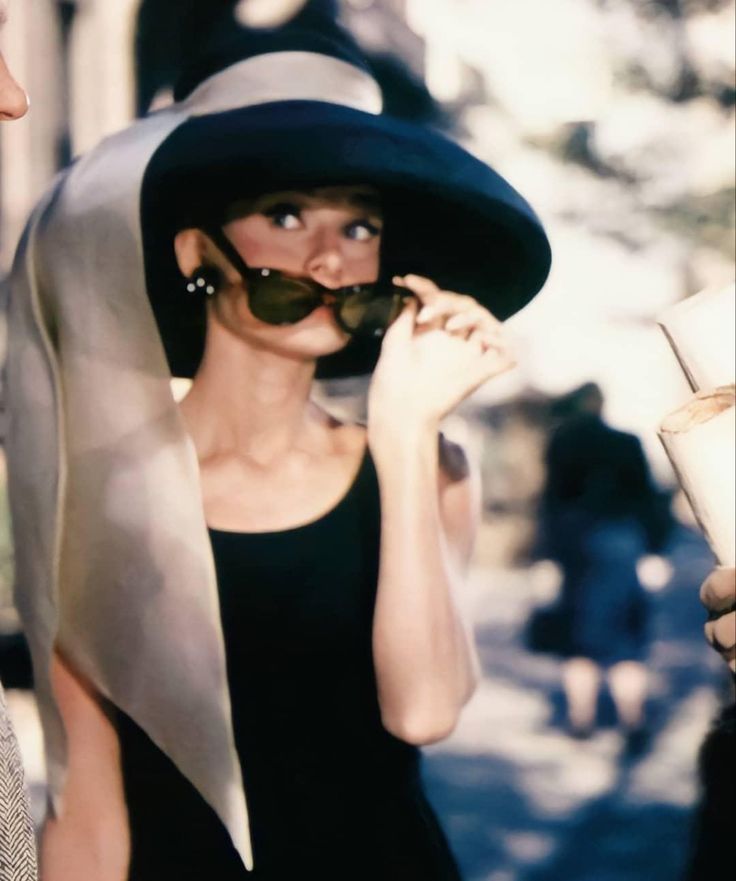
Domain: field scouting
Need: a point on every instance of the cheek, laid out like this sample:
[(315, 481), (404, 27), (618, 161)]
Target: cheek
[(362, 262)]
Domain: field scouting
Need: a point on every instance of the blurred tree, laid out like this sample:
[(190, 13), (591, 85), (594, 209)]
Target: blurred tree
[(189, 24)]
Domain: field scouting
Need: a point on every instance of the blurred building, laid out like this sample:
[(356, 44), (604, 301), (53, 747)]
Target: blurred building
[(74, 58)]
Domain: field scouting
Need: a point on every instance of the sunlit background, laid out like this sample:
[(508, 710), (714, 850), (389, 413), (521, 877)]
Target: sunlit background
[(615, 118)]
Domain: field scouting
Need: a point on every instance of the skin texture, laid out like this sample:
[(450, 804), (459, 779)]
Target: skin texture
[(271, 459), (13, 99)]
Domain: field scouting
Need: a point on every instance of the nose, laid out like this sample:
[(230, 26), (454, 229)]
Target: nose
[(325, 263), (13, 99)]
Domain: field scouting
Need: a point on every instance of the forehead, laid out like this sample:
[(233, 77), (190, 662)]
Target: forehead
[(357, 195), (361, 197)]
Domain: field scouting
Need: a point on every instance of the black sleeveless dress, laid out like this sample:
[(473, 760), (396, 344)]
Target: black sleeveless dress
[(331, 794)]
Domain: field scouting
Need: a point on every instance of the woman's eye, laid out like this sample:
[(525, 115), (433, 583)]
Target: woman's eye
[(362, 230), (284, 216)]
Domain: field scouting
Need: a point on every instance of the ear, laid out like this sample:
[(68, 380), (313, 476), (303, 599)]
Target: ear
[(189, 246)]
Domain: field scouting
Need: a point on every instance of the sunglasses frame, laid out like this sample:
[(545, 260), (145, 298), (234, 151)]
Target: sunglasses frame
[(334, 298)]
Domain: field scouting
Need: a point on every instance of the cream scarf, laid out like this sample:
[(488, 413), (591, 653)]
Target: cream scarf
[(113, 561)]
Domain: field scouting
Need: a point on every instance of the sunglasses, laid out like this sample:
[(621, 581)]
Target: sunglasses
[(277, 297)]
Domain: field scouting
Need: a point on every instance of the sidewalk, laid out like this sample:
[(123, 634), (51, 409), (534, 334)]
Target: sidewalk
[(523, 802)]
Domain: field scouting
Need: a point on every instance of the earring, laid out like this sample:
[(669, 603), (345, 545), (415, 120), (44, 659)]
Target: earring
[(205, 280)]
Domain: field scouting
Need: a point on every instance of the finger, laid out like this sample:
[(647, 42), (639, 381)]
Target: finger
[(489, 365), (495, 361), (721, 635), (417, 283), (473, 317), (724, 631), (424, 288), (493, 342), (446, 306), (718, 591)]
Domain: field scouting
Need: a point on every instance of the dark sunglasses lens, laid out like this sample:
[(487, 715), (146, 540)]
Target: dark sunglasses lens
[(368, 313), (278, 299)]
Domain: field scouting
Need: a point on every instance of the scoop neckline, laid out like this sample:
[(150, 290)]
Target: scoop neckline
[(308, 523)]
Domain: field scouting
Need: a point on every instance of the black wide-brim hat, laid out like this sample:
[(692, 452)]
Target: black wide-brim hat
[(448, 216)]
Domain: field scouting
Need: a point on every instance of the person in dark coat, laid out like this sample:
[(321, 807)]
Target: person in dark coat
[(600, 514)]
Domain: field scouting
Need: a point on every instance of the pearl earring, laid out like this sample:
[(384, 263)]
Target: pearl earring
[(204, 280)]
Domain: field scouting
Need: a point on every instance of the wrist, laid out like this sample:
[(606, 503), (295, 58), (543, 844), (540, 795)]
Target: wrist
[(398, 441), (400, 417)]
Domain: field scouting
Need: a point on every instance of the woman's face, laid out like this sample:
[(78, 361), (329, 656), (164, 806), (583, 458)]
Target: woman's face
[(331, 235)]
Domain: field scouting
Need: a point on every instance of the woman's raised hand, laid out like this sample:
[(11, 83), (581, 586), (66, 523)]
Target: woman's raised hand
[(440, 349)]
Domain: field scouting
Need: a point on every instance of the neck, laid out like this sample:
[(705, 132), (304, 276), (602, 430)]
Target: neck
[(248, 401)]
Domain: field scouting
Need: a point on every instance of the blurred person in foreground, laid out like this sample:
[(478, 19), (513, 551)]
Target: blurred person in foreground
[(17, 843), (244, 614), (601, 519)]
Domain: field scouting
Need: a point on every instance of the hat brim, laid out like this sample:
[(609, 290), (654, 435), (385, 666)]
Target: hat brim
[(448, 216)]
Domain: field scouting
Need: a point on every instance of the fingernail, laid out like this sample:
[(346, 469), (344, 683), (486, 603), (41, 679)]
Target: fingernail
[(398, 279), (425, 314)]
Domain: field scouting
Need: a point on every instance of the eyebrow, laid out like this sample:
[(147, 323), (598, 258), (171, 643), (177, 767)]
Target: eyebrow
[(358, 200)]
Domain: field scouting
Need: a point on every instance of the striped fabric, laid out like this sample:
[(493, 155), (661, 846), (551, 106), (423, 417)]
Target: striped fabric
[(17, 841)]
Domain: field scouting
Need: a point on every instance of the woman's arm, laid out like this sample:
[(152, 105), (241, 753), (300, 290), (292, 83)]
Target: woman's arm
[(426, 664), (431, 359), (90, 839)]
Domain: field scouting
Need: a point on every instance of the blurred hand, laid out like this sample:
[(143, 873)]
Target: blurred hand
[(718, 595), (440, 349)]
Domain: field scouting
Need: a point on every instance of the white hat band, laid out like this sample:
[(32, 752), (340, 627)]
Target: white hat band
[(286, 76)]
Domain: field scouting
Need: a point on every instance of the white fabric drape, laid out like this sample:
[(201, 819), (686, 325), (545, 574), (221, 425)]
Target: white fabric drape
[(113, 561)]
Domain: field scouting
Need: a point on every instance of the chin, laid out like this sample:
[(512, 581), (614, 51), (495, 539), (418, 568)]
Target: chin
[(321, 344), (317, 335)]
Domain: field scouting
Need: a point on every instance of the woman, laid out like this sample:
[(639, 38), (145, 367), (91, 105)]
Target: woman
[(256, 619)]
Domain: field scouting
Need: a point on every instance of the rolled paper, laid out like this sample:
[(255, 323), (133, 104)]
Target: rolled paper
[(702, 333), (700, 440)]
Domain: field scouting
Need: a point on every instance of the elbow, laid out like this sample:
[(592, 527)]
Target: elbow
[(422, 729), (429, 721)]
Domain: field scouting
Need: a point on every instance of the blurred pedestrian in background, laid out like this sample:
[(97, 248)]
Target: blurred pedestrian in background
[(17, 842), (600, 516), (250, 620)]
